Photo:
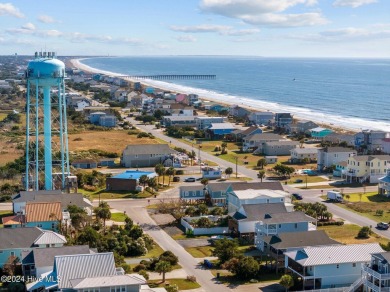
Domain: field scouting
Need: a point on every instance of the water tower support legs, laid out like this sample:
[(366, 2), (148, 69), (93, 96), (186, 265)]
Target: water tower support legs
[(47, 138)]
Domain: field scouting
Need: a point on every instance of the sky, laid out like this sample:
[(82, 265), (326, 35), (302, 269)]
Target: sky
[(268, 28)]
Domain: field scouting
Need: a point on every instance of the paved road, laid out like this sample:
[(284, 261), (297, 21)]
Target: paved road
[(189, 264)]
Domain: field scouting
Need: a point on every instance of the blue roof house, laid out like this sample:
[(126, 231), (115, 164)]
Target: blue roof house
[(219, 130), (218, 108), (319, 133)]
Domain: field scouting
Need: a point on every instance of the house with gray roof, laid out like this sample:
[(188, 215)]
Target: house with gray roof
[(87, 272), (145, 155), (333, 266), (14, 241), (328, 156), (19, 200), (376, 275), (243, 221), (257, 141), (39, 261), (299, 154), (275, 245), (275, 148)]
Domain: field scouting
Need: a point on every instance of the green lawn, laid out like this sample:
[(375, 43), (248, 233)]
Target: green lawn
[(182, 284), (347, 233), (200, 251), (181, 236), (155, 252), (103, 194), (310, 179), (118, 217), (371, 197)]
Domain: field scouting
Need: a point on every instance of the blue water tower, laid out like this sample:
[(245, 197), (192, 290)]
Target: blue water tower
[(47, 155)]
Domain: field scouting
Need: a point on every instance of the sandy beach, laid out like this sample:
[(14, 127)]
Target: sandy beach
[(246, 103)]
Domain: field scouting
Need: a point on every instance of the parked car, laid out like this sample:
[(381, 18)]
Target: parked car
[(298, 181), (176, 178), (297, 196), (382, 225), (190, 179)]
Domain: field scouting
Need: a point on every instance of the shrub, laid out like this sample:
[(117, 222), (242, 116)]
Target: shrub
[(78, 139), (179, 172), (170, 257), (379, 213), (191, 278), (139, 267), (143, 135), (364, 232), (144, 274)]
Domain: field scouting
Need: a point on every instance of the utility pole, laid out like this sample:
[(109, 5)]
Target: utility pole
[(200, 161), (236, 166)]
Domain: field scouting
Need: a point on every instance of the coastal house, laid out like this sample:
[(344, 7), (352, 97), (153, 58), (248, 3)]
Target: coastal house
[(275, 245), (244, 219), (376, 274), (87, 272), (192, 194), (127, 181), (193, 98), (238, 111), (17, 240), (211, 172), (262, 118), (347, 140), (319, 133), (179, 121), (304, 126), (145, 155), (110, 162), (38, 261), (219, 130), (299, 154), (366, 168), (203, 123), (120, 95), (275, 148), (237, 198), (283, 120), (238, 134), (384, 185), (85, 163), (108, 121), (386, 145), (257, 141), (20, 200), (328, 156), (322, 267), (370, 141)]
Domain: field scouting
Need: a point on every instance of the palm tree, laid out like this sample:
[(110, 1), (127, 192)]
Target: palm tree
[(143, 179), (170, 172), (261, 163), (223, 147), (261, 174), (157, 169), (103, 212), (228, 171), (163, 267), (192, 156)]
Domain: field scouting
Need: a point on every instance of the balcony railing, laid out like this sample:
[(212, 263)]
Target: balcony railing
[(375, 274)]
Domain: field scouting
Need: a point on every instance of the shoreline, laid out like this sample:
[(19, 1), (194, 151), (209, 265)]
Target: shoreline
[(339, 125)]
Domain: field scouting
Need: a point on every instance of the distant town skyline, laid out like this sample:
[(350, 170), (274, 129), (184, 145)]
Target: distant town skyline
[(269, 28)]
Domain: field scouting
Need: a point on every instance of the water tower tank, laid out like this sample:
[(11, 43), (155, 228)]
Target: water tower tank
[(47, 70)]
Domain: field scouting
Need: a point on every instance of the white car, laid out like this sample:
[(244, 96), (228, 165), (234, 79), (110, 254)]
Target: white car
[(190, 179)]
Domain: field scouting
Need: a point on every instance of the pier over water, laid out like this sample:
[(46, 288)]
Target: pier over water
[(171, 77)]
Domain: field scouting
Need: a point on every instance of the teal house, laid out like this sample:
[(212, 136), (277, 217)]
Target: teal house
[(319, 133)]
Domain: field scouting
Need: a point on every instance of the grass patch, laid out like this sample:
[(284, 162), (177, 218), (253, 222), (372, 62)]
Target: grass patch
[(200, 251), (310, 179), (155, 252), (182, 284), (118, 217), (103, 194), (347, 233), (228, 278), (183, 236)]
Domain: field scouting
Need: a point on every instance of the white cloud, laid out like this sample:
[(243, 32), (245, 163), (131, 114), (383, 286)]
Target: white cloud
[(46, 19), (49, 33), (186, 38), (28, 26), (220, 29), (353, 3), (265, 12), (9, 9)]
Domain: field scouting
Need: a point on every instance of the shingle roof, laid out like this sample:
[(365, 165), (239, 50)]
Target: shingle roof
[(256, 212), (290, 217), (334, 254), (221, 126), (338, 149), (18, 237), (109, 281), (282, 142), (300, 150), (14, 219), (240, 186), (191, 188), (299, 239), (71, 267), (42, 212), (264, 136), (147, 149), (43, 257)]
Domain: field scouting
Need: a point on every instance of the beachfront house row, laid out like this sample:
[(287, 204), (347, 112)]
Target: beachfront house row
[(370, 141), (243, 221), (376, 275), (145, 155), (323, 267), (299, 154), (179, 121), (16, 240), (262, 118), (88, 272), (238, 111), (275, 245), (120, 95), (257, 141), (366, 168), (347, 140), (238, 134), (283, 120), (127, 181), (319, 133), (328, 156), (203, 123), (275, 148), (304, 126)]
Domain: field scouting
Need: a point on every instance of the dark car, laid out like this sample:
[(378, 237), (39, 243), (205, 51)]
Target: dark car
[(176, 178), (382, 225), (297, 196), (298, 181), (190, 179)]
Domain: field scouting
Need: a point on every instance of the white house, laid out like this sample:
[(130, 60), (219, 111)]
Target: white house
[(326, 157), (299, 154), (203, 123), (259, 118), (251, 196), (329, 266)]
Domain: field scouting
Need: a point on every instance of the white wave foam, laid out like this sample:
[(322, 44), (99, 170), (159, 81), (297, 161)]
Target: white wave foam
[(351, 123)]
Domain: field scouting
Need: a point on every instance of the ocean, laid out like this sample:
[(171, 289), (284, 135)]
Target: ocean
[(350, 93)]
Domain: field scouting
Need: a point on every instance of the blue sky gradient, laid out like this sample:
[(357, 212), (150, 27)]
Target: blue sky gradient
[(269, 28)]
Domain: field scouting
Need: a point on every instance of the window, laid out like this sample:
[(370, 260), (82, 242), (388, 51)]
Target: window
[(280, 225), (296, 225), (337, 266), (12, 253), (354, 265)]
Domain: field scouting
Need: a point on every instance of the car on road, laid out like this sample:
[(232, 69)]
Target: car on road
[(382, 225), (190, 179), (297, 181), (297, 196)]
